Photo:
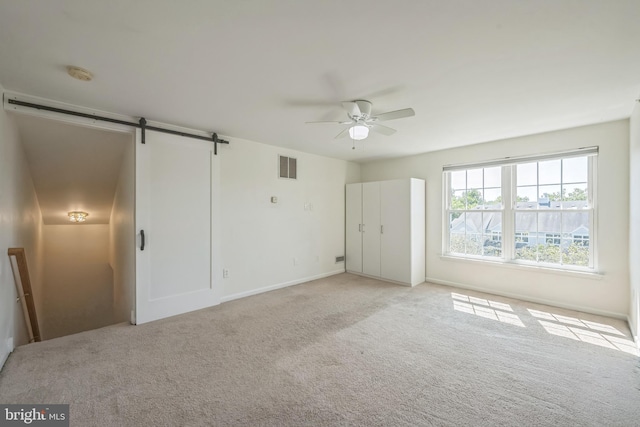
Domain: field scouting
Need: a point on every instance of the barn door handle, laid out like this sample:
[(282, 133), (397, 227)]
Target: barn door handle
[(142, 240)]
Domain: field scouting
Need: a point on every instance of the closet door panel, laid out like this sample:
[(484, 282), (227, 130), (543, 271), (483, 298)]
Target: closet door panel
[(395, 221), (371, 228), (353, 228)]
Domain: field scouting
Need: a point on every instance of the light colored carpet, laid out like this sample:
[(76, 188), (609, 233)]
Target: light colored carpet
[(344, 350)]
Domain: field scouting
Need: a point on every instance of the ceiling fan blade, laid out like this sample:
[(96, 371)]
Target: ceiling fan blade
[(351, 108), (343, 134), (392, 115), (385, 130), (329, 123)]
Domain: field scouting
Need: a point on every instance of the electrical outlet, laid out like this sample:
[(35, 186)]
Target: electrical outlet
[(295, 261), (225, 273)]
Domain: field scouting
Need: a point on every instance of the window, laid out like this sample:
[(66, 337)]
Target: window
[(552, 239), (521, 238), (537, 210), (581, 240)]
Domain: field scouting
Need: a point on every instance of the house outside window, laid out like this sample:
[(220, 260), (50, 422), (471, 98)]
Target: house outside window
[(537, 210)]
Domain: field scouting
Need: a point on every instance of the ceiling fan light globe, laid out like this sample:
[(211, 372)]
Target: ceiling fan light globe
[(358, 132)]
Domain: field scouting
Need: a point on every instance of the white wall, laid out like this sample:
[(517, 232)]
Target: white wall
[(260, 239), (634, 221), (608, 294), (122, 239), (20, 226), (78, 281)]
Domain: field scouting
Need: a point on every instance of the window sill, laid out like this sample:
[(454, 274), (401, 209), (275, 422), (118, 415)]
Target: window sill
[(583, 274)]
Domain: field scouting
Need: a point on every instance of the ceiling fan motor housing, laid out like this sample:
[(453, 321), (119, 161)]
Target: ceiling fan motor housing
[(365, 109)]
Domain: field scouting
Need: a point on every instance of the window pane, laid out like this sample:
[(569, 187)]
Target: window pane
[(549, 237), (575, 254), (459, 199), (493, 198), (527, 197), (526, 225), (493, 177), (459, 180), (548, 194), (575, 243), (474, 199), (575, 223), (492, 234), (474, 178), (549, 172), (473, 226), (456, 232), (575, 192), (574, 169), (527, 174)]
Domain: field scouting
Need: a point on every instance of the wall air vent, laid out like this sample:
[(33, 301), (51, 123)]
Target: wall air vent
[(288, 167), (339, 259)]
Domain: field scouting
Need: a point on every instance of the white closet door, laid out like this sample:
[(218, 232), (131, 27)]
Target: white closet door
[(371, 228), (395, 218), (174, 202), (353, 227)]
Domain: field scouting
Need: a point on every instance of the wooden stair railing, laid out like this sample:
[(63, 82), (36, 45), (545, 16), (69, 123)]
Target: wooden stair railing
[(25, 293)]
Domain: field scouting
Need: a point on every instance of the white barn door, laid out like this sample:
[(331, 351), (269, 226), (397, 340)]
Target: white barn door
[(174, 224)]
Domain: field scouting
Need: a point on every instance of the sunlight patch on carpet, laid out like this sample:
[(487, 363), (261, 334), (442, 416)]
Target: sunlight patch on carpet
[(488, 309), (586, 331)]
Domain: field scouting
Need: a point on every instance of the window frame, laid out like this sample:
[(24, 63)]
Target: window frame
[(508, 193)]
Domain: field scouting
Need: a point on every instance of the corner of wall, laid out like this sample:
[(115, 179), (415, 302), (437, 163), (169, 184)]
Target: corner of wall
[(20, 226), (634, 221)]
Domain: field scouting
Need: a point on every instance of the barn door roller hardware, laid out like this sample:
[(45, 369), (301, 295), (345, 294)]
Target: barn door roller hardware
[(142, 124)]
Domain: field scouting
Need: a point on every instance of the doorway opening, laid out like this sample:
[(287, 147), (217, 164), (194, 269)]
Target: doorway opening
[(84, 272)]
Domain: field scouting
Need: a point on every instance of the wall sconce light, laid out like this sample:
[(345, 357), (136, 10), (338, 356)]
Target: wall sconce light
[(78, 216)]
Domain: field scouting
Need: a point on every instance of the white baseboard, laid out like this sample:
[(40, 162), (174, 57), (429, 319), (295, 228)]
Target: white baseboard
[(3, 358), (357, 273), (590, 310), (634, 333), (278, 286), (5, 352)]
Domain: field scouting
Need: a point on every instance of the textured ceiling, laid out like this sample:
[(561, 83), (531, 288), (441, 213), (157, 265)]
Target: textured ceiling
[(258, 69)]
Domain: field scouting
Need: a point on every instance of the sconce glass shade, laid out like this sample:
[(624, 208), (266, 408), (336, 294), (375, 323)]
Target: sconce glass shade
[(78, 216), (358, 132)]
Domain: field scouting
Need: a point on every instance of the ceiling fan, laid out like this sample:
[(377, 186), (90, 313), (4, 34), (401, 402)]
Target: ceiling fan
[(361, 121)]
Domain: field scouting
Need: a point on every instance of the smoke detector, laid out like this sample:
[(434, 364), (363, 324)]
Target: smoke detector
[(79, 73)]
